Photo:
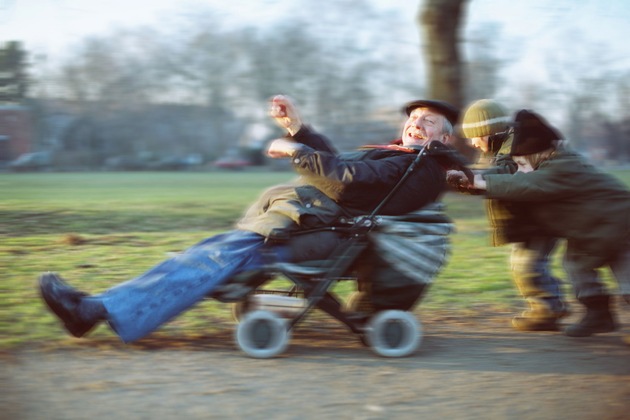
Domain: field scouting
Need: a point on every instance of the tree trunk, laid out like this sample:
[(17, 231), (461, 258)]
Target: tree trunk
[(439, 21)]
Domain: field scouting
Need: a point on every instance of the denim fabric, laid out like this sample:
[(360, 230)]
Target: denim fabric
[(545, 280), (530, 268), (139, 306)]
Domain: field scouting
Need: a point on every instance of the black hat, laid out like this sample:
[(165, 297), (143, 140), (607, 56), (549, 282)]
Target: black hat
[(532, 134), (449, 111)]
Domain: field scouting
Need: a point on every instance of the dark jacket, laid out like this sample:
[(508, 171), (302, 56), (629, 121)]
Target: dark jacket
[(569, 198), (333, 185)]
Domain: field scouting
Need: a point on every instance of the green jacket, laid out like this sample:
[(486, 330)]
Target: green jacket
[(569, 198)]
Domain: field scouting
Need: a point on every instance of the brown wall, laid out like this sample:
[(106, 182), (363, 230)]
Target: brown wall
[(16, 132)]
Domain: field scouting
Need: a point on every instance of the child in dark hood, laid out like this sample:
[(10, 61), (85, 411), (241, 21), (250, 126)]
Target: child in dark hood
[(569, 198)]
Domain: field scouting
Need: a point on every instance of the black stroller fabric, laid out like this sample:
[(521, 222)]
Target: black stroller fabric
[(406, 253), (413, 245)]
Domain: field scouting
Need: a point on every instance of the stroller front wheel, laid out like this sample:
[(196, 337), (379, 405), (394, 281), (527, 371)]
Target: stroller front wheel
[(262, 334), (394, 333)]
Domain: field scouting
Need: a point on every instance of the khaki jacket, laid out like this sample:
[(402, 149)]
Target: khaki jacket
[(501, 214)]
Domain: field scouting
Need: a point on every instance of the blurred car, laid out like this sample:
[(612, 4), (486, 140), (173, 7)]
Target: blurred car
[(125, 163), (231, 162), (169, 164), (176, 163), (36, 161)]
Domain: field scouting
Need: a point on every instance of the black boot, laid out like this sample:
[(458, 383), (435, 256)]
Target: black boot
[(78, 314), (598, 318)]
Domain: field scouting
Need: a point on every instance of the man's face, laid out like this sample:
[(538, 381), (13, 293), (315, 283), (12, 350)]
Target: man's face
[(422, 126), (481, 143)]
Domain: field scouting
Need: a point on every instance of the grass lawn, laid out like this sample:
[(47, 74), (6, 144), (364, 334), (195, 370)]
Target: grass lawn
[(98, 229)]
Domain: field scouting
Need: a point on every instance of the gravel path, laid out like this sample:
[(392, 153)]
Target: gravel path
[(467, 368)]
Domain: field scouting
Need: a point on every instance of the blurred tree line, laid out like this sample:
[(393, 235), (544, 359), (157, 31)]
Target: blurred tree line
[(155, 91), (201, 87), (13, 73)]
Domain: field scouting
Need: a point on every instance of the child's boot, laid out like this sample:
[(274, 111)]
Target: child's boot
[(598, 318), (543, 315)]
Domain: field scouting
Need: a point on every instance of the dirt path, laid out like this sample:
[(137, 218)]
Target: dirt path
[(467, 368)]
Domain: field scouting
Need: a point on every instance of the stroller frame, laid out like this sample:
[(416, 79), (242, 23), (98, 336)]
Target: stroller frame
[(264, 333)]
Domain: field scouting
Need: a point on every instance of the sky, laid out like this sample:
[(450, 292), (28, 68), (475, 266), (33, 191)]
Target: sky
[(531, 27), (53, 24), (57, 22)]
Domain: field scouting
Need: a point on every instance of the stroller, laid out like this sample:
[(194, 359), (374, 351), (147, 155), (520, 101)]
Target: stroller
[(408, 250)]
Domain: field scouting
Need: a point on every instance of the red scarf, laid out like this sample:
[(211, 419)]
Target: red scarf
[(395, 145)]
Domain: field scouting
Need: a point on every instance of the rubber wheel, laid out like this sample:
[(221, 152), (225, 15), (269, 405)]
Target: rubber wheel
[(262, 334), (394, 333)]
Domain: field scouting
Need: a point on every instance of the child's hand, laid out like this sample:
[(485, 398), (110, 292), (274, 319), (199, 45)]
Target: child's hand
[(480, 183)]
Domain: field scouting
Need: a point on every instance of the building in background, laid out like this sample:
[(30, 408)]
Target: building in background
[(16, 131)]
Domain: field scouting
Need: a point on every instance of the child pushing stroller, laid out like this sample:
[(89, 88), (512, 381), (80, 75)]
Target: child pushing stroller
[(567, 197)]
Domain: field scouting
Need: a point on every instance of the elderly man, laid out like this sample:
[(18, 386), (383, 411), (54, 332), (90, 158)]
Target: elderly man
[(330, 186)]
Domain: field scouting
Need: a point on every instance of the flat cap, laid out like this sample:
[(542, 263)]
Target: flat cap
[(449, 111)]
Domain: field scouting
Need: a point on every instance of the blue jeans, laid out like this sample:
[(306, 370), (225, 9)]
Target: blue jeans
[(139, 306), (532, 274)]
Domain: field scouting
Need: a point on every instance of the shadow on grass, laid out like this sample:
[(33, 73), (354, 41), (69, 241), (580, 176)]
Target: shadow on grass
[(25, 223)]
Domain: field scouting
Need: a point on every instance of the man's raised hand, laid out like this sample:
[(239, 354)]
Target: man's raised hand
[(284, 112)]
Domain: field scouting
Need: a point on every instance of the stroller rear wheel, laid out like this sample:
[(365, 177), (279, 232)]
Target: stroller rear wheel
[(394, 333), (262, 334)]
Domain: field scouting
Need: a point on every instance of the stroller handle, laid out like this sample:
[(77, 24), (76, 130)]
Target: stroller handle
[(410, 169)]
